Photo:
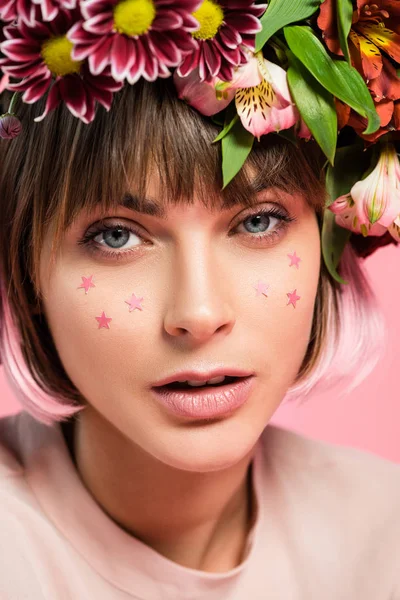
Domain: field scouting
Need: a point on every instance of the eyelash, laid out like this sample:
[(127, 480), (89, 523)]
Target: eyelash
[(88, 237)]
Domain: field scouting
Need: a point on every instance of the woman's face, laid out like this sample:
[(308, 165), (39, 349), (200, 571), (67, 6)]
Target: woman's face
[(215, 290)]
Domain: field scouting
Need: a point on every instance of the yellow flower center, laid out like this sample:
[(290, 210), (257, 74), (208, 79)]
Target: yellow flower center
[(210, 16), (56, 53), (134, 17)]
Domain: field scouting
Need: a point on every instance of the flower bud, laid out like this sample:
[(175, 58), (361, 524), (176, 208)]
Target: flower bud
[(10, 126)]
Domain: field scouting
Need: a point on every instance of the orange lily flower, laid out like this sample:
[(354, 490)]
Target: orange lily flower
[(374, 46)]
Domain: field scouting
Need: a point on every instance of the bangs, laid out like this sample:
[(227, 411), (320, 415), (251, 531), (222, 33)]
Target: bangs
[(65, 166)]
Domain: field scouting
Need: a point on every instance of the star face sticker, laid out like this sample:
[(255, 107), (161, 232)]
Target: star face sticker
[(134, 303), (87, 283), (295, 259), (292, 298), (262, 288), (103, 321)]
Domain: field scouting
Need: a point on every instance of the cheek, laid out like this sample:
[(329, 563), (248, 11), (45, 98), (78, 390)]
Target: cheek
[(281, 307), (105, 326), (99, 329)]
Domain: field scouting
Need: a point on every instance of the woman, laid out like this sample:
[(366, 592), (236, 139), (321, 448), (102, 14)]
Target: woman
[(152, 323)]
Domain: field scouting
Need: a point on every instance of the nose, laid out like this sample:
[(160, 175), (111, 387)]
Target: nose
[(199, 305)]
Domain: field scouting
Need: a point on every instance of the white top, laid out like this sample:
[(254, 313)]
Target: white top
[(327, 528)]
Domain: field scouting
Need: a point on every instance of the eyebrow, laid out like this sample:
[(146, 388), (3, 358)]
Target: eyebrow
[(148, 206)]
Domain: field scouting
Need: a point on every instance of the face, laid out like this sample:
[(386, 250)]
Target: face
[(149, 297)]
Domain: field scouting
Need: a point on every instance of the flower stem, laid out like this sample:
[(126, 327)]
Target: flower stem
[(13, 102)]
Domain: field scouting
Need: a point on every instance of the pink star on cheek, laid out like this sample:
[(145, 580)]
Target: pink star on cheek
[(295, 259), (292, 298), (87, 283), (103, 321), (262, 288), (134, 303)]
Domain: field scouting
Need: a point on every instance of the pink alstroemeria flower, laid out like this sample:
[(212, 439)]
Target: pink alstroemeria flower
[(211, 97), (372, 207), (261, 93)]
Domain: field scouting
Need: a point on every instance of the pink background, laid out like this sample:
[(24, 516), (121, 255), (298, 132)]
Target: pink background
[(369, 418)]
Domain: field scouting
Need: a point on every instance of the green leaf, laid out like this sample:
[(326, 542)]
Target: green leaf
[(283, 12), (351, 163), (316, 106), (344, 18), (226, 129), (336, 75), (236, 146), (333, 242)]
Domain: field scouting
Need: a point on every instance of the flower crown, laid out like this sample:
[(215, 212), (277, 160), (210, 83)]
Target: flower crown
[(326, 71)]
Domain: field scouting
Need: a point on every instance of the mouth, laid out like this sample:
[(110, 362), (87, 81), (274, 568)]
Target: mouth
[(205, 401), (183, 386)]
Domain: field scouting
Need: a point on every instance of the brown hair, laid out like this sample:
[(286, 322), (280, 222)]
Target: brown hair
[(60, 166)]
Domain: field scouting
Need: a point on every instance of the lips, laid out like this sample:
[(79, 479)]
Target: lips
[(207, 401), (202, 375)]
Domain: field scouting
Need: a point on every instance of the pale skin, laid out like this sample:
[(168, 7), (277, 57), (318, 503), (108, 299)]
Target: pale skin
[(178, 485)]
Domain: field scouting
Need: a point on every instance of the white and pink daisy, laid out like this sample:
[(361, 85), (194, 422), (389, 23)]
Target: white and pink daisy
[(227, 28), (41, 57), (135, 38)]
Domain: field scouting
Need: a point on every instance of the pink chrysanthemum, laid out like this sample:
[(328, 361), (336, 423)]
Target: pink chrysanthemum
[(4, 79), (11, 10), (227, 27), (51, 8), (135, 37), (42, 57)]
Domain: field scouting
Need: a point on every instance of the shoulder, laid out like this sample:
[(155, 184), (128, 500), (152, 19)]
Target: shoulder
[(346, 470), (345, 493), (10, 462)]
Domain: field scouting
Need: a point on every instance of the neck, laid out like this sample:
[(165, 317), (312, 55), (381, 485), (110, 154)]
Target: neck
[(209, 515)]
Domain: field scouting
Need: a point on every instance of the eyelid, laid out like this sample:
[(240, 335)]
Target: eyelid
[(114, 222), (132, 215), (260, 206)]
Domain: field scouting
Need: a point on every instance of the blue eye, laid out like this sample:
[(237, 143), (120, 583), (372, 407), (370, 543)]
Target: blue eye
[(116, 236), (111, 236), (260, 223)]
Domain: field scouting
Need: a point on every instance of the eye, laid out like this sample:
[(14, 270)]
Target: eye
[(118, 241), (267, 224), (113, 236)]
